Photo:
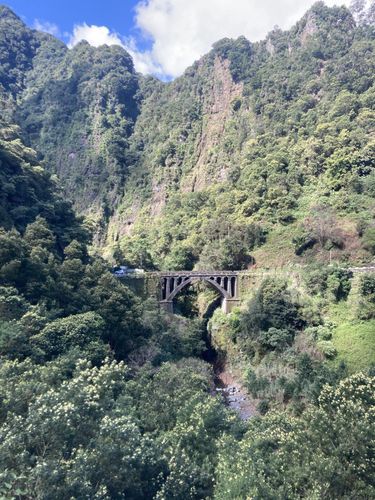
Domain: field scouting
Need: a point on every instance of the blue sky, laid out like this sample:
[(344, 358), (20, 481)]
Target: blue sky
[(163, 36), (117, 15)]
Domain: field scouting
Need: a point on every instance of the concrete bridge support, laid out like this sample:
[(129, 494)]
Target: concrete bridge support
[(226, 282), (167, 305), (228, 305)]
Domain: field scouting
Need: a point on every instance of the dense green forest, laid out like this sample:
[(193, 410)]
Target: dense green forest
[(260, 156), (104, 396)]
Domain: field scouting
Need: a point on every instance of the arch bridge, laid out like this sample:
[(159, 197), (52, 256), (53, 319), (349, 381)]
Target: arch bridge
[(225, 282)]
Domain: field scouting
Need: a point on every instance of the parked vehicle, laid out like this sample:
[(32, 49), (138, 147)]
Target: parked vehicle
[(121, 271)]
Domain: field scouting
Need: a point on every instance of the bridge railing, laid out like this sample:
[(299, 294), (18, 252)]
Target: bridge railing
[(173, 274)]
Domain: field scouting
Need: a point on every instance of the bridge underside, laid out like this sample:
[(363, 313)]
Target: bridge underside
[(226, 283)]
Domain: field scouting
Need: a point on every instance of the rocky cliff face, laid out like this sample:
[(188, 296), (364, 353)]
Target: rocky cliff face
[(218, 108)]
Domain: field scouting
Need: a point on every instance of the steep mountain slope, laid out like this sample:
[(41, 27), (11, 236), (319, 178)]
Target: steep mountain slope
[(28, 191), (274, 137), (76, 107), (265, 133), (81, 119)]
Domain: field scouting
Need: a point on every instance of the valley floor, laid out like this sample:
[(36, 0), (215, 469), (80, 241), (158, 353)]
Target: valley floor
[(235, 394)]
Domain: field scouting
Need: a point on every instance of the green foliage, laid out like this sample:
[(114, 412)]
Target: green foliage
[(238, 52), (228, 246), (303, 240), (14, 341), (301, 457), (329, 281), (338, 283), (327, 348), (321, 332), (44, 262), (73, 331), (275, 339), (293, 378), (72, 420), (12, 304), (366, 307), (263, 407), (321, 228), (367, 286), (352, 336), (28, 191), (368, 240), (271, 319), (82, 431)]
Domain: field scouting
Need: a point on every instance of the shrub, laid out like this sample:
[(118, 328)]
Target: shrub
[(324, 333), (272, 307), (316, 279), (12, 304), (367, 286), (368, 240), (321, 332), (330, 282), (263, 406), (303, 241), (275, 339), (327, 348), (366, 309), (289, 390), (338, 283), (255, 384)]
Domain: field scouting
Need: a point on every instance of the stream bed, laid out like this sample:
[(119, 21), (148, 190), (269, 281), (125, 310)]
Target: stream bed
[(226, 382), (234, 394)]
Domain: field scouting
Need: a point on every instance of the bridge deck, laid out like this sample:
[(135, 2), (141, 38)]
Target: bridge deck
[(205, 274), (197, 274)]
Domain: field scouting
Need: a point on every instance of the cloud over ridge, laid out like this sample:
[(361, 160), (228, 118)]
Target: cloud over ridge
[(46, 26), (180, 32), (95, 35)]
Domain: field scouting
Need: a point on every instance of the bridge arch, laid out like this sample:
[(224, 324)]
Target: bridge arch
[(190, 281), (225, 282)]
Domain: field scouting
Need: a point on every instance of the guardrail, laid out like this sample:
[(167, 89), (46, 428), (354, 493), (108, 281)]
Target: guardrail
[(367, 269)]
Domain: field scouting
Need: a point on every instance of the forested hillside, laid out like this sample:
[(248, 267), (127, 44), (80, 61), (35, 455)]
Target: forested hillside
[(273, 134), (270, 134), (76, 107), (77, 422), (70, 410)]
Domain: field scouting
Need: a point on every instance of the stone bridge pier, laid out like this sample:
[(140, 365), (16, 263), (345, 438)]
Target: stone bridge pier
[(226, 282)]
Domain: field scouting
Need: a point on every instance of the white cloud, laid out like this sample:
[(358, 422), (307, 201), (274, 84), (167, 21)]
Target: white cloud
[(47, 27), (95, 35), (101, 35), (181, 31), (144, 62)]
